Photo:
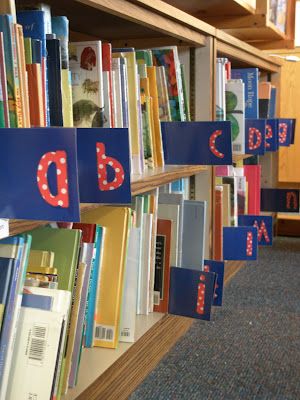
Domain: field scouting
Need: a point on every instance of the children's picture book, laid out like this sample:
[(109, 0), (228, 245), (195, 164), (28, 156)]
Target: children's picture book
[(235, 113)]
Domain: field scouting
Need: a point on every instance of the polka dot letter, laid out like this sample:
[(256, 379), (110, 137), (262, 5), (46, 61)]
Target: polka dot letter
[(103, 161)]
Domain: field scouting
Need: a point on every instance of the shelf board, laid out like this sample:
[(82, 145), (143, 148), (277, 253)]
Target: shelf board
[(288, 216), (114, 374), (269, 32), (161, 176), (240, 157), (204, 8)]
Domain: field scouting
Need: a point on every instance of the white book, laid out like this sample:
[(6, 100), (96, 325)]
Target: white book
[(172, 212), (128, 317), (138, 207), (146, 264), (107, 104), (118, 93), (35, 354), (62, 305)]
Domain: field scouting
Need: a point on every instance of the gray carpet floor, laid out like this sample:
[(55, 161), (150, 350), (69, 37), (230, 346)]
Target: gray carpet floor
[(251, 348)]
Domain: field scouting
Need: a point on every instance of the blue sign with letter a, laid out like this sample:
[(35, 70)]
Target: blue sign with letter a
[(104, 165), (38, 174)]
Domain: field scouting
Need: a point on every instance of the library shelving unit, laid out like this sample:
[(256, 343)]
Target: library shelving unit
[(113, 374)]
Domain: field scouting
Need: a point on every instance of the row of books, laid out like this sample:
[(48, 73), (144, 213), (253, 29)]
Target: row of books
[(47, 81), (68, 286), (241, 96)]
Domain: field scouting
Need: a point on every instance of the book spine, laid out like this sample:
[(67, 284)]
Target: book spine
[(3, 83), (19, 110)]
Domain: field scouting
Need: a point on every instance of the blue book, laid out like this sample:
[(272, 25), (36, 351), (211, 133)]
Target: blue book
[(280, 200), (92, 293), (193, 237), (197, 143), (37, 301), (264, 225), (60, 27), (12, 296), (240, 243), (36, 48), (250, 78), (255, 133), (191, 293), (218, 268), (5, 274), (272, 105)]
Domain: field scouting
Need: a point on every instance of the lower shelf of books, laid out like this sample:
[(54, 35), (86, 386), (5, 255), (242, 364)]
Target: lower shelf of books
[(95, 361)]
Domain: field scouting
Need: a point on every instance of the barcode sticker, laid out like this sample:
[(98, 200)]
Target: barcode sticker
[(125, 333), (236, 147), (37, 346), (156, 298), (105, 333)]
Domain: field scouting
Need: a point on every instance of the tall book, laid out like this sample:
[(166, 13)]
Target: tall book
[(250, 78), (107, 320), (264, 95), (35, 92), (220, 89), (253, 177), (218, 223), (235, 113), (107, 70), (87, 84), (3, 83)]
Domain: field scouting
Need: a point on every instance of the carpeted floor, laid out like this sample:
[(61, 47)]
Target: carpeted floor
[(251, 348)]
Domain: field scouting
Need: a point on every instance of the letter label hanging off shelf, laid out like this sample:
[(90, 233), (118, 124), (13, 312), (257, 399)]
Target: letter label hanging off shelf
[(264, 225), (61, 199), (286, 128), (255, 136), (104, 165), (197, 143), (271, 142), (38, 174), (218, 268), (280, 200), (240, 243)]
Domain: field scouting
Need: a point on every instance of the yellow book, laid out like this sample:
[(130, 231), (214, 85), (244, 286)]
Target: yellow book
[(2, 306), (151, 72), (226, 204), (66, 92), (8, 250), (40, 258), (115, 220), (8, 7), (133, 96), (72, 330)]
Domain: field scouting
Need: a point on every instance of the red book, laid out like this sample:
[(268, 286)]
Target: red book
[(107, 66), (35, 91), (218, 224), (162, 265), (253, 174), (88, 231)]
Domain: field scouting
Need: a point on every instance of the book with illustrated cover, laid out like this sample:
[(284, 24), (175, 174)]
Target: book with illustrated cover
[(191, 293), (163, 95), (235, 113), (144, 57), (87, 84), (162, 265)]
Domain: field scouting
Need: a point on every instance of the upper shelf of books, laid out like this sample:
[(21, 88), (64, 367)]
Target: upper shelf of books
[(141, 24)]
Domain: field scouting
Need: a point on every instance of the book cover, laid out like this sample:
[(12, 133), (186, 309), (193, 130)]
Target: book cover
[(36, 108), (175, 199), (250, 78), (272, 142), (162, 265), (107, 319), (205, 143), (191, 293), (116, 68), (138, 208), (231, 180), (54, 67), (3, 83), (264, 225), (35, 354), (144, 57), (87, 84), (174, 212), (124, 89), (145, 271), (168, 58), (220, 89), (216, 267), (66, 93), (235, 113), (240, 243), (253, 177), (133, 94), (13, 88), (218, 223), (241, 194), (264, 96), (163, 95), (272, 105), (193, 243), (60, 27), (226, 205), (255, 134), (128, 315), (185, 95), (279, 200)]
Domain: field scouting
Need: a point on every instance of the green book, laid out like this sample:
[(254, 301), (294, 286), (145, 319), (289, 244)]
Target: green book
[(65, 244), (144, 57), (28, 50), (185, 94), (2, 119)]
